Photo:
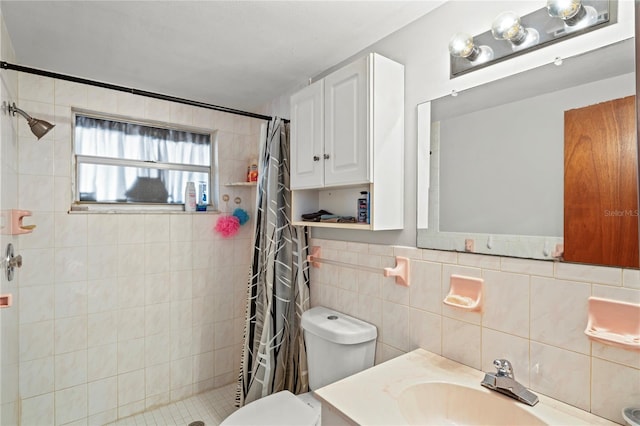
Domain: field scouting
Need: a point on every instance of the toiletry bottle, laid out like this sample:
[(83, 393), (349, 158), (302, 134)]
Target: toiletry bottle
[(252, 172), (363, 207), (202, 197), (190, 197)]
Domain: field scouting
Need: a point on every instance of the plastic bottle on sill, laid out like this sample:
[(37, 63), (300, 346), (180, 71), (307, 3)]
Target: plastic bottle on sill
[(202, 197), (190, 197)]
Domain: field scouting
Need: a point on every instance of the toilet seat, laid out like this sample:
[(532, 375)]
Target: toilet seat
[(281, 408)]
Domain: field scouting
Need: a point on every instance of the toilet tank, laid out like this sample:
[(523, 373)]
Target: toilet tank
[(337, 345)]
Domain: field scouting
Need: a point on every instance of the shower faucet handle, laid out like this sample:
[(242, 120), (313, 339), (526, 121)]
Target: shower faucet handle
[(11, 262), (16, 261)]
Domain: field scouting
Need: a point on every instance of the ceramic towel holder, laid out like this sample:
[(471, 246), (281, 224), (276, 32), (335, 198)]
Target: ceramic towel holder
[(465, 293), (614, 323), (17, 227), (6, 300), (401, 271)]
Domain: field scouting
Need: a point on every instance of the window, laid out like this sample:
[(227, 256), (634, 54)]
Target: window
[(119, 161)]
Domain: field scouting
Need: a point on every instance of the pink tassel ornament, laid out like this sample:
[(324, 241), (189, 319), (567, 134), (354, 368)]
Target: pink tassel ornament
[(228, 226)]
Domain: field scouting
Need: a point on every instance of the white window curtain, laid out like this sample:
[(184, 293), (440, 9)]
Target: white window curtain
[(95, 137)]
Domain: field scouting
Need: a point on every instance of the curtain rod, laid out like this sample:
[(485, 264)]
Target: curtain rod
[(8, 66)]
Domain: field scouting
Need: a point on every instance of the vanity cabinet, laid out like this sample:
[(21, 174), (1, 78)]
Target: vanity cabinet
[(347, 136)]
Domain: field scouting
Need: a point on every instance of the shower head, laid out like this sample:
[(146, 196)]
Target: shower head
[(38, 127)]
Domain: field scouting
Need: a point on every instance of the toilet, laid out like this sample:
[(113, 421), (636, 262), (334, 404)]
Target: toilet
[(338, 346)]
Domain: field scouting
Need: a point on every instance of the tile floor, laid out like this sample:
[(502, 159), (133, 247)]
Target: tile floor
[(209, 407)]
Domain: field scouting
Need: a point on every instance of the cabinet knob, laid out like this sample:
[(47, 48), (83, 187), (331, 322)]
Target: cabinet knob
[(316, 158), (326, 156)]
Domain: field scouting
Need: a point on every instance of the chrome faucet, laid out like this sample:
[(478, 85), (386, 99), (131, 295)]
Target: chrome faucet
[(504, 381)]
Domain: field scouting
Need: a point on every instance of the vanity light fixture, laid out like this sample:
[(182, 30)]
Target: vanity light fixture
[(507, 26), (38, 127), (511, 35)]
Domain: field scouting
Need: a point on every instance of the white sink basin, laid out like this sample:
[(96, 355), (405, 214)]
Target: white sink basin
[(438, 403), (422, 388)]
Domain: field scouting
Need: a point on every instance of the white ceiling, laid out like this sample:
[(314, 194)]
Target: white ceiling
[(238, 54)]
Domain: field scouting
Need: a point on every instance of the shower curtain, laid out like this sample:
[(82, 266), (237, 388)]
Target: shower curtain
[(273, 355)]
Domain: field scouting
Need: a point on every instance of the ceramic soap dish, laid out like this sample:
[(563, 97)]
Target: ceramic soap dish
[(465, 293), (614, 323)]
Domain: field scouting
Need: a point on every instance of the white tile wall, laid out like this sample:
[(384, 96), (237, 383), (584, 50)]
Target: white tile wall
[(119, 312), (558, 313), (10, 332), (572, 385), (622, 391), (535, 313)]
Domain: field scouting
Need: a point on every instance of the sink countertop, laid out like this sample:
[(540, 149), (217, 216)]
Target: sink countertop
[(371, 396)]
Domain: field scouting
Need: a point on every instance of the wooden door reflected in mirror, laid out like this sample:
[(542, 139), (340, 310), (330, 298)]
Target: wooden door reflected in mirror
[(601, 184)]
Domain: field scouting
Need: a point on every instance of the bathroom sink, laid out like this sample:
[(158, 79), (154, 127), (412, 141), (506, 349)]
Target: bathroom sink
[(423, 388), (439, 403)]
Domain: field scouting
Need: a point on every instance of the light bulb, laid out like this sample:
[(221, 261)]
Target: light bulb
[(563, 9), (461, 46), (574, 14), (507, 26)]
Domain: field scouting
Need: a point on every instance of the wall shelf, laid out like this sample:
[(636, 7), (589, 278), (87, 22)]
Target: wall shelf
[(362, 226), (241, 184)]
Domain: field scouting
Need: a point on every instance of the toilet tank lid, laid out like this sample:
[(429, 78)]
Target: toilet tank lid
[(337, 327)]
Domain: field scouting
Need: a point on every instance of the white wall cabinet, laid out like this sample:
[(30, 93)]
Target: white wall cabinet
[(347, 136), (307, 137), (345, 125)]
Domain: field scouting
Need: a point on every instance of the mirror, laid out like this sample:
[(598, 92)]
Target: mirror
[(495, 179)]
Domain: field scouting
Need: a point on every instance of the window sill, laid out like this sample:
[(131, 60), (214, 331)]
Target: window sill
[(133, 209)]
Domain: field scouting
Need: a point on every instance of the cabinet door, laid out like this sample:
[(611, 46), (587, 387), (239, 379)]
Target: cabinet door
[(346, 141), (307, 137), (600, 184)]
